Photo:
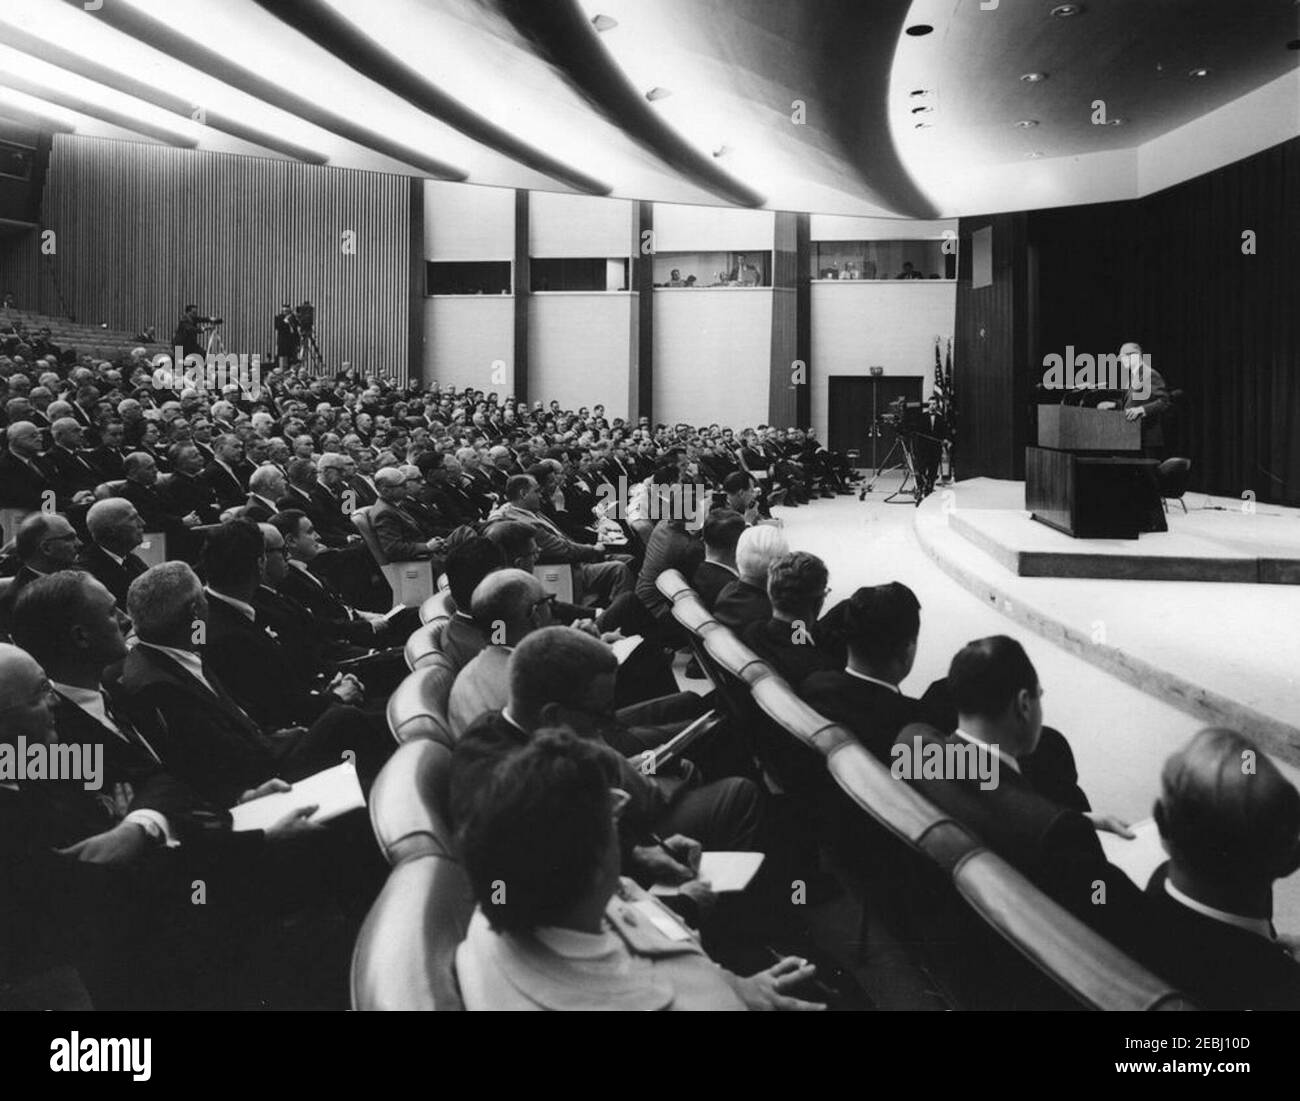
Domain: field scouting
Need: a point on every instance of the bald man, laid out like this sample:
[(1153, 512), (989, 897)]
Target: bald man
[(1230, 822), (508, 605), (116, 530)]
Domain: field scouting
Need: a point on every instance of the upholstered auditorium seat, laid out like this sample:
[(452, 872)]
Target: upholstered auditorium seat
[(405, 954), (438, 606), (424, 644), (412, 582), (417, 709)]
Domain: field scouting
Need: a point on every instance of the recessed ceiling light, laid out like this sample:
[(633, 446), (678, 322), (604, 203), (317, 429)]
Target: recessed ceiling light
[(921, 92), (722, 151), (1026, 124), (922, 110), (916, 30), (1064, 11), (657, 93), (924, 126), (1033, 78), (1198, 72), (1116, 122), (604, 22)]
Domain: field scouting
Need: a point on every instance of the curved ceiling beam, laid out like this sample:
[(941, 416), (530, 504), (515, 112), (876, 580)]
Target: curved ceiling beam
[(52, 54), (560, 33), (93, 110), (330, 31), (36, 121), (124, 18)]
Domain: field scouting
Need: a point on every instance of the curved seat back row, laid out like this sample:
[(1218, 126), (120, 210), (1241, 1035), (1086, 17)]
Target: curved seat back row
[(417, 707), (404, 957), (1081, 965)]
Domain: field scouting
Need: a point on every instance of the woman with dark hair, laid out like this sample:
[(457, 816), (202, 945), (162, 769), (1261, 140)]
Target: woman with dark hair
[(556, 927)]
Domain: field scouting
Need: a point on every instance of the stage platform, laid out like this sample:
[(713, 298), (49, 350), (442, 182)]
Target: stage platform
[(1222, 542), (1181, 615)]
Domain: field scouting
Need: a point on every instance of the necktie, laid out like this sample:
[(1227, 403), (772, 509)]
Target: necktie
[(127, 729)]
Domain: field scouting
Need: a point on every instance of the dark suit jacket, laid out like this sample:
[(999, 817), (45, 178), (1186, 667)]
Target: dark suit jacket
[(740, 604), (108, 463), (325, 605), (71, 471), (24, 577), (204, 739), (186, 493), (226, 487), (114, 577), (257, 670), (774, 641), (871, 711), (398, 534), (333, 523), (709, 580), (22, 485), (1052, 845), (1218, 966), (1153, 433)]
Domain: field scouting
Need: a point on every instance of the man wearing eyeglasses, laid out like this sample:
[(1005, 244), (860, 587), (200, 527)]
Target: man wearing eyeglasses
[(46, 543)]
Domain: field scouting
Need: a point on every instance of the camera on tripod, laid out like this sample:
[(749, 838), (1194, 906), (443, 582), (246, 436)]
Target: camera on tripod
[(305, 313), (210, 322), (903, 416)]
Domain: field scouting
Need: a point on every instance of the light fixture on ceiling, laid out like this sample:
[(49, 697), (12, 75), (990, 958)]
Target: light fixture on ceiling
[(1064, 11), (657, 93), (722, 151), (918, 30), (1026, 124), (923, 126), (1198, 72), (1033, 78), (1116, 122), (920, 92), (604, 22), (923, 110)]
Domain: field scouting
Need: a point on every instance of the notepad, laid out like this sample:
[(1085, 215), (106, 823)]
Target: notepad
[(333, 792), (623, 647), (724, 872), (1138, 858)]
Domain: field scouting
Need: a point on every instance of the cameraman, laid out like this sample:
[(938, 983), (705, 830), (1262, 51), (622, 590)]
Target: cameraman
[(287, 337), (932, 431), (186, 337)]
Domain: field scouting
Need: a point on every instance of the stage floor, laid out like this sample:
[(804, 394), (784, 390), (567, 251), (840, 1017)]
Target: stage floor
[(1224, 651), (1131, 669), (1216, 540)]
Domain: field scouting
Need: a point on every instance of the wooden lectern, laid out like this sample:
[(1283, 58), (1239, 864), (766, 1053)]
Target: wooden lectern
[(1087, 477)]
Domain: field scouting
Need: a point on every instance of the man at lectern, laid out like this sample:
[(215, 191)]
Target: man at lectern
[(1145, 398)]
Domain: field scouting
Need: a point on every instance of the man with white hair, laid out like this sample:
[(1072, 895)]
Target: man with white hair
[(25, 481), (265, 488), (745, 600), (74, 477), (332, 503), (116, 530)]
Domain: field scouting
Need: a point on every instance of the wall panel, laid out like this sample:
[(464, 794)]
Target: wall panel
[(464, 336), (144, 229), (579, 349)]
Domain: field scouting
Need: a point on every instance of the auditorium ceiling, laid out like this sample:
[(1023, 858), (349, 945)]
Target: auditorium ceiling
[(904, 108)]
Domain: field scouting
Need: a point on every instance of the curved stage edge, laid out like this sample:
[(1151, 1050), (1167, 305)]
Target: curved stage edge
[(1216, 650)]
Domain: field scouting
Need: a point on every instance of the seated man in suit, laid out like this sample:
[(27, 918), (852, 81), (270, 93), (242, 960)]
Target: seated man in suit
[(469, 562), (203, 736), (559, 676), (400, 537), (599, 577), (1230, 822), (796, 585), (333, 503), (71, 469), (245, 653), (1000, 718), (319, 596), (222, 474), (116, 530), (721, 532), (881, 624), (744, 600), (108, 457), (186, 494), (26, 482), (46, 543), (266, 486), (546, 820)]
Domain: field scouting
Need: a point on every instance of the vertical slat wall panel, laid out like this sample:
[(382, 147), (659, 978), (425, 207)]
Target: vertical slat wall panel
[(144, 229)]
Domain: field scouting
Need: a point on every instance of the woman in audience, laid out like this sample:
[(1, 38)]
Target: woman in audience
[(556, 927)]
